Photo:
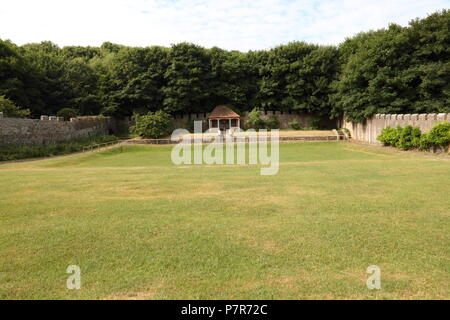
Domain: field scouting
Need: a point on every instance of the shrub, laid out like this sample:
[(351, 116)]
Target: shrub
[(439, 136), (295, 125), (409, 138), (390, 136), (152, 125), (315, 123), (425, 143), (67, 113), (272, 123), (10, 109), (254, 120), (345, 130)]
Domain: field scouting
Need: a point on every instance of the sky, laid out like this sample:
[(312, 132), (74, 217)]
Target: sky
[(229, 24)]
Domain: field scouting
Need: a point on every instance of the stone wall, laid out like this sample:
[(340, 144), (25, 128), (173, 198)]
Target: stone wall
[(305, 120), (371, 128), (51, 129)]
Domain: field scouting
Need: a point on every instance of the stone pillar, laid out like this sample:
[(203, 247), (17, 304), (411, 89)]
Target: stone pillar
[(209, 124), (44, 118), (441, 117), (1, 115), (229, 123)]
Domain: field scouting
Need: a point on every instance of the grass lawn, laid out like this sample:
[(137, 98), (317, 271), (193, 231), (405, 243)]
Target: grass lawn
[(141, 227)]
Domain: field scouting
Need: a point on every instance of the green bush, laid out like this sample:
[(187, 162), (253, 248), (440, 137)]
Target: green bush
[(254, 120), (439, 136), (409, 138), (345, 130), (295, 125), (152, 125), (390, 136), (315, 123), (17, 152), (67, 113), (10, 110), (272, 123), (425, 143)]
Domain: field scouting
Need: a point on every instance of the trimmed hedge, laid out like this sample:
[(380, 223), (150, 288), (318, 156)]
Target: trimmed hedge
[(409, 137)]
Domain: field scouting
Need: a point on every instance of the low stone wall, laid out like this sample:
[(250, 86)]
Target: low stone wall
[(333, 136), (51, 129), (305, 120), (371, 128)]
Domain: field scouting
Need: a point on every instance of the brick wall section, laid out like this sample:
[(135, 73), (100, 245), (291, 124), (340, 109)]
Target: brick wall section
[(371, 128), (51, 129)]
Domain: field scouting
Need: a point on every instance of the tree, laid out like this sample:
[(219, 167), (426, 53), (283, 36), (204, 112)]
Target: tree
[(136, 79), (187, 79), (10, 110), (396, 70), (19, 81), (393, 70)]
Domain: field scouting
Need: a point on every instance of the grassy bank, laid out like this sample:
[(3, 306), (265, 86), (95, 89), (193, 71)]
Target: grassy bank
[(18, 152)]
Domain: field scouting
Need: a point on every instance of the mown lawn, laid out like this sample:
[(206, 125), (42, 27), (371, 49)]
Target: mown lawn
[(141, 227)]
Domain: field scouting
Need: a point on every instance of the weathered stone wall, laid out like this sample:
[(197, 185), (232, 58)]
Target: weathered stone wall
[(305, 120), (51, 129), (371, 128)]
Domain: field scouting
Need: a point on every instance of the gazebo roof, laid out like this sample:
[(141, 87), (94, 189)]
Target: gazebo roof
[(223, 112)]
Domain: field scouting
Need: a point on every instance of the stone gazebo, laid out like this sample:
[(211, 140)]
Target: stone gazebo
[(223, 118)]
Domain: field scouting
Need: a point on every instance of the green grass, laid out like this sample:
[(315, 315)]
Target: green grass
[(139, 226)]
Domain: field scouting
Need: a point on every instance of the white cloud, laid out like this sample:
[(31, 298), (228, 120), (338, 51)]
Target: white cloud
[(229, 24)]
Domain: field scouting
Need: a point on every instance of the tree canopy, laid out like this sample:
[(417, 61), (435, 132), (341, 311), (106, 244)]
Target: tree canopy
[(393, 70)]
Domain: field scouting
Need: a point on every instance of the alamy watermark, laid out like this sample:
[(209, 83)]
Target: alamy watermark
[(374, 280), (228, 148), (74, 280)]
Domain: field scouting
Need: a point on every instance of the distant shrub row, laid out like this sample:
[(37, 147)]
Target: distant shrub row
[(17, 152), (409, 137)]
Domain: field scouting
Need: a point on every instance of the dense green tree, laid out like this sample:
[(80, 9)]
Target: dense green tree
[(9, 109), (397, 70), (135, 80), (234, 79), (19, 81), (188, 78), (393, 70)]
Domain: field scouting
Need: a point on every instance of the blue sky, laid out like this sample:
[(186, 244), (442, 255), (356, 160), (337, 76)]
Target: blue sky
[(229, 24)]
